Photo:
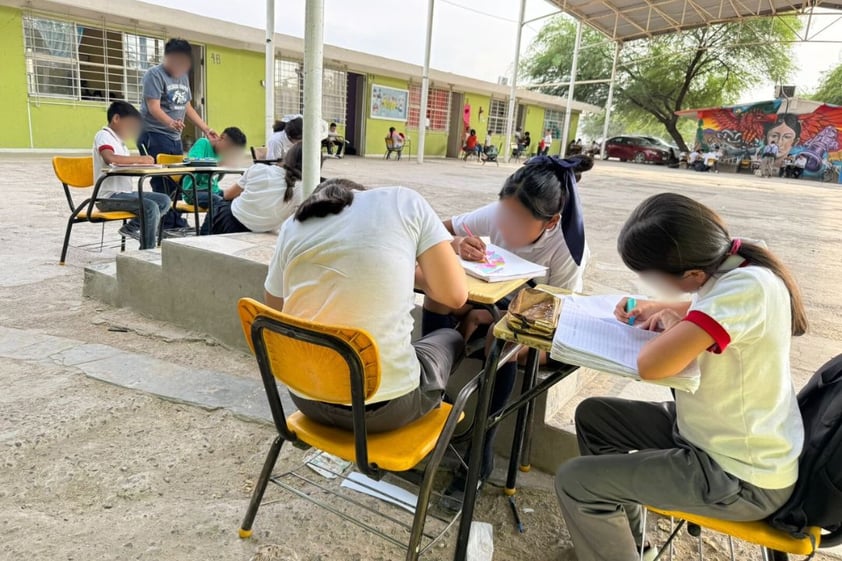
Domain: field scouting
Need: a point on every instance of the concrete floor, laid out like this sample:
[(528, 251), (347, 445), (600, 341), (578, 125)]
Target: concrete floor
[(108, 473)]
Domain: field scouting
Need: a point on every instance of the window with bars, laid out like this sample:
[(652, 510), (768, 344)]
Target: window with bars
[(66, 60), (498, 114), (289, 91), (438, 108), (553, 120)]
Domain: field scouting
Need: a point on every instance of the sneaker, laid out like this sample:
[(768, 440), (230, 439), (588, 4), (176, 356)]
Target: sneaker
[(650, 552), (129, 230), (454, 495), (178, 232)]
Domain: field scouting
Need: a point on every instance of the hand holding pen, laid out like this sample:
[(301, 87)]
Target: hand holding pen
[(471, 248)]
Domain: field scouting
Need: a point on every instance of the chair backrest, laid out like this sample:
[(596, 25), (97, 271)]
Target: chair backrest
[(313, 359), (259, 153), (389, 143), (74, 172)]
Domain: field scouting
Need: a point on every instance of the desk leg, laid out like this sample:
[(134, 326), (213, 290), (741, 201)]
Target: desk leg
[(477, 449), (141, 214), (529, 377)]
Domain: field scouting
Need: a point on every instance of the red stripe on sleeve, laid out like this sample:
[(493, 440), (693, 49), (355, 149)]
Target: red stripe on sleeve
[(711, 326), (105, 147)]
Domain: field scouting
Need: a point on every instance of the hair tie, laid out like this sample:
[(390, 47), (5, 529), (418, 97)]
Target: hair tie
[(736, 244), (572, 222)]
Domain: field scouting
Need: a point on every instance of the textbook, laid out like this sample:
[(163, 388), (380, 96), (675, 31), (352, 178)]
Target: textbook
[(501, 265), (589, 335), (142, 166)]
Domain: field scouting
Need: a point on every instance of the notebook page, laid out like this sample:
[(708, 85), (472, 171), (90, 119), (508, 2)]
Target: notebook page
[(503, 265)]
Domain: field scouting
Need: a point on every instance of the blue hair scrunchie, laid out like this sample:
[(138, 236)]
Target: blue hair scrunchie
[(572, 221)]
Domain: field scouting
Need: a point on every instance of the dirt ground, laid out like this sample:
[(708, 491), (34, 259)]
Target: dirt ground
[(93, 471)]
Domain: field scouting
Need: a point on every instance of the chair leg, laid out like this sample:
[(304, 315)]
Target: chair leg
[(643, 538), (731, 547), (260, 488), (123, 240), (66, 241), (102, 237)]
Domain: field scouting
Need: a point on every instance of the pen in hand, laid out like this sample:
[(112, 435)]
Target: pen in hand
[(631, 304), (471, 234)]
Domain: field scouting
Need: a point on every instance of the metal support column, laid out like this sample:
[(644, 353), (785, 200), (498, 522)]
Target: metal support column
[(510, 122), (313, 72), (568, 111), (425, 84)]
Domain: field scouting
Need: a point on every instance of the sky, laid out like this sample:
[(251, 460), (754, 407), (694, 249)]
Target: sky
[(470, 38)]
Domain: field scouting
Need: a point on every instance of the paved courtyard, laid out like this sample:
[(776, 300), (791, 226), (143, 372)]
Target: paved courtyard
[(93, 470)]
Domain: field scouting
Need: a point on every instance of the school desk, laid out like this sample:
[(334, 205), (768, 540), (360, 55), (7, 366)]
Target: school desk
[(505, 344), (144, 173)]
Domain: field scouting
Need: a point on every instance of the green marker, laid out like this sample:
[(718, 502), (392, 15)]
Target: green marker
[(631, 304)]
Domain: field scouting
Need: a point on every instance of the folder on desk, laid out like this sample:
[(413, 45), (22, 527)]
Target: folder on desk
[(589, 335)]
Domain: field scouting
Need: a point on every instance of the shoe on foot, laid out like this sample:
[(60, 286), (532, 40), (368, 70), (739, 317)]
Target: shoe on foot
[(130, 231), (650, 552), (454, 495)]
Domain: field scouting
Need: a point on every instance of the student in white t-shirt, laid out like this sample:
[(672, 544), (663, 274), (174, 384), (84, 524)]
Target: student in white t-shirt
[(262, 199), (538, 217), (285, 135), (348, 257), (728, 451), (119, 193)]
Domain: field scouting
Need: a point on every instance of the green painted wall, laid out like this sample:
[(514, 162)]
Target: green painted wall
[(480, 124), (534, 123), (233, 92), (67, 126), (376, 130), (12, 81)]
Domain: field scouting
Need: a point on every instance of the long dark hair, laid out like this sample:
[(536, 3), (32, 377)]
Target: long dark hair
[(540, 187), (278, 126), (787, 119), (673, 234), (330, 197), (295, 129), (292, 166)]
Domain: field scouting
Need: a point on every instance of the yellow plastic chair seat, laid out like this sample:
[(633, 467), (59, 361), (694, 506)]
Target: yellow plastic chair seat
[(758, 532), (103, 216), (184, 206), (398, 450)]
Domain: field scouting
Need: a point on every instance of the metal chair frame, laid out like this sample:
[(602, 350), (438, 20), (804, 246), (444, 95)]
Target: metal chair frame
[(355, 366)]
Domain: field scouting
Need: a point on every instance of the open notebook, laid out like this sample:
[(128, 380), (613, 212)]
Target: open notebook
[(501, 265), (589, 335)]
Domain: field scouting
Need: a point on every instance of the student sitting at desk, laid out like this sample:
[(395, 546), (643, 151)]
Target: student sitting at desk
[(285, 135), (730, 450), (120, 193), (263, 198), (537, 217), (330, 266), (229, 144)]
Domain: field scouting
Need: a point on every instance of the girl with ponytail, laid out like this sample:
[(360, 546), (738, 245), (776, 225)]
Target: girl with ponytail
[(730, 449)]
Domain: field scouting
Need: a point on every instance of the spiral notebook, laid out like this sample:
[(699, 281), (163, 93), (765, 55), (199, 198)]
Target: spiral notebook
[(589, 335), (501, 265)]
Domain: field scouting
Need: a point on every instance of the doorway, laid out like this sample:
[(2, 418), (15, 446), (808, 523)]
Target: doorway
[(355, 109), (456, 126), (197, 89), (520, 122)]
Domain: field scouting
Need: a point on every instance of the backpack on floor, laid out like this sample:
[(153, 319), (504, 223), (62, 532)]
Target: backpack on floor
[(817, 498)]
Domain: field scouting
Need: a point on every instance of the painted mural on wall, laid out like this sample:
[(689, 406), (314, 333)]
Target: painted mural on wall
[(743, 130)]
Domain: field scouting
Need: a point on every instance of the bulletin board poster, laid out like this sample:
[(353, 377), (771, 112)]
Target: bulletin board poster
[(389, 103)]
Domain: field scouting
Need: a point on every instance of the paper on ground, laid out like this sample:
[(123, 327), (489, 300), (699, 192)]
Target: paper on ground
[(589, 335), (326, 465), (481, 542), (381, 490)]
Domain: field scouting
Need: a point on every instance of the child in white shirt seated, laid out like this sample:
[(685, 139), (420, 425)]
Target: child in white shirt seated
[(119, 193)]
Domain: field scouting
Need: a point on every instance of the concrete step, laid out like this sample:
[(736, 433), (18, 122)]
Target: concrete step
[(101, 283)]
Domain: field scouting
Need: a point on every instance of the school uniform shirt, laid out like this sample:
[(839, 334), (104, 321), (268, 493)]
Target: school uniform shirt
[(278, 145), (107, 139), (202, 149), (745, 414), (343, 270), (261, 206), (548, 140), (550, 250)]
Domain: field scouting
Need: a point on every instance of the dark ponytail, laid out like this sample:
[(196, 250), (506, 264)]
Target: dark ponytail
[(292, 165), (673, 234), (331, 197), (278, 126)]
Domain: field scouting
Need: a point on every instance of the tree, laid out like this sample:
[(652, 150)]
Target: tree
[(704, 67), (830, 90)]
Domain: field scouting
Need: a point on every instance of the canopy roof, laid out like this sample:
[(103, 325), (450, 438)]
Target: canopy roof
[(627, 20)]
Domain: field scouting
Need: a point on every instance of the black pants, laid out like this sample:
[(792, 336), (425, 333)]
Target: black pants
[(439, 354), (157, 143), (224, 221)]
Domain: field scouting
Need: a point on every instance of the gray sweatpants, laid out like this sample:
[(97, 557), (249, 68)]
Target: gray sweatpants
[(439, 354), (600, 492)]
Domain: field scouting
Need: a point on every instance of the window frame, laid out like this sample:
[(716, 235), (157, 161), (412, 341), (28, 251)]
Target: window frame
[(498, 120), (438, 116)]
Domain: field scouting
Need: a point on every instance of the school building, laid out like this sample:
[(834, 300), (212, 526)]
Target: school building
[(64, 61)]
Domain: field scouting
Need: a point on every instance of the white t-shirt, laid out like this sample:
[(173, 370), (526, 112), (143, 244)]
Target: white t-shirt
[(278, 145), (745, 414), (107, 139), (548, 140), (261, 206), (550, 250), (342, 269), (801, 161), (694, 155)]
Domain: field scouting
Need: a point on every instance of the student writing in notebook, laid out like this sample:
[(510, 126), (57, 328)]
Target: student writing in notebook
[(730, 450), (537, 217)]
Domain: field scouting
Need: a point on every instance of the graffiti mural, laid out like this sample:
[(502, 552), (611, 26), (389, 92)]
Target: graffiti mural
[(808, 128)]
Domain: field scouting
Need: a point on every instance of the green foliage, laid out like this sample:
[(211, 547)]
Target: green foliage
[(704, 67), (830, 90)]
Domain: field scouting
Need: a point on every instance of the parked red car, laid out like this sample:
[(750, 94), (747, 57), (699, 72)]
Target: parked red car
[(638, 149)]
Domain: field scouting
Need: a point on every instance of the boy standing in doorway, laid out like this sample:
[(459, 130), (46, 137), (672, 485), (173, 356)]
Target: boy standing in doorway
[(166, 104)]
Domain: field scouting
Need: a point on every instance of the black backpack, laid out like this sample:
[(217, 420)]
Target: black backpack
[(817, 498)]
